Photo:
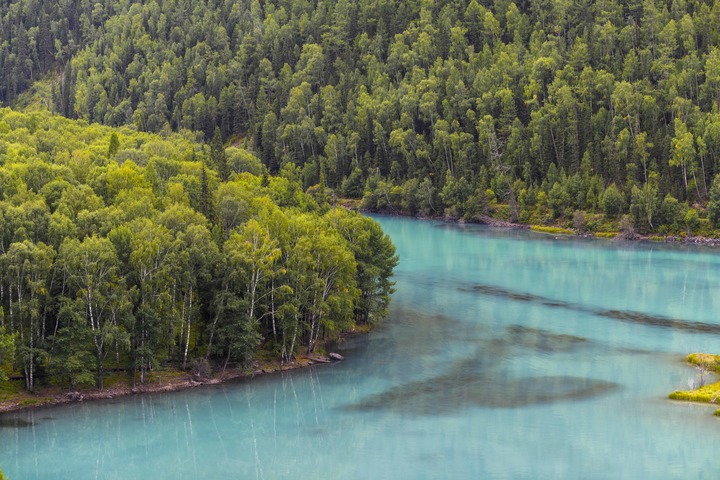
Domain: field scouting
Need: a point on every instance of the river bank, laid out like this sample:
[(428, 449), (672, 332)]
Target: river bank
[(556, 230), (166, 380)]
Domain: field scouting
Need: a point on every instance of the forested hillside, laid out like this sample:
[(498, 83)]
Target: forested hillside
[(124, 250), (196, 221), (543, 107)]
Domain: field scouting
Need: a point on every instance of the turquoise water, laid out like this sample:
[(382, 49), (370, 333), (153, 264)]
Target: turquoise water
[(507, 355)]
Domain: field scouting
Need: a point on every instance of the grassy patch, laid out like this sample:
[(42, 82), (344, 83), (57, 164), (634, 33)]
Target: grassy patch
[(706, 394), (554, 230), (656, 238), (606, 234), (707, 359)]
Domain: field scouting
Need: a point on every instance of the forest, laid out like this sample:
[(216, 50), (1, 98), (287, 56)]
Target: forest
[(168, 168), (126, 251), (578, 113)]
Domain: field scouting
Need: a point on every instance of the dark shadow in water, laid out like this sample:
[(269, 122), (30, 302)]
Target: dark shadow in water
[(659, 321), (9, 422), (543, 340), (622, 315), (446, 394), (475, 381)]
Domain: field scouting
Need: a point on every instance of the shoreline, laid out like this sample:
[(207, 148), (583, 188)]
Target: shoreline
[(176, 381), (496, 223)]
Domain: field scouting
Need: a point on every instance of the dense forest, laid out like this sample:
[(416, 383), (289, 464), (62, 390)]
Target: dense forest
[(126, 250), (530, 110), (181, 209)]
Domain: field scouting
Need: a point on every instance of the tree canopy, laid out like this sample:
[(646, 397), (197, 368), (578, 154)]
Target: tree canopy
[(540, 105), (127, 250)]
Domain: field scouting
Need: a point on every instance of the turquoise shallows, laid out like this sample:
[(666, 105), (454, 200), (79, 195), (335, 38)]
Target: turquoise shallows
[(507, 355)]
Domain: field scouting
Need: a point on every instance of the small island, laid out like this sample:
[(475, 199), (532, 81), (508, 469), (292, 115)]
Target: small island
[(707, 364)]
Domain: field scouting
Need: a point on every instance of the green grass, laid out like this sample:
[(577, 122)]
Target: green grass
[(554, 230), (706, 394), (712, 361), (656, 238), (606, 234)]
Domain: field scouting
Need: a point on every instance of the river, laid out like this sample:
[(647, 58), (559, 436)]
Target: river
[(506, 355)]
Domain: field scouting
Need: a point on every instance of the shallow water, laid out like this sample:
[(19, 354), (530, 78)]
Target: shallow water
[(507, 354)]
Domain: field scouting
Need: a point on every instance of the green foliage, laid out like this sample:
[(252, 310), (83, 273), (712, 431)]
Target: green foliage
[(553, 230), (710, 360), (7, 348), (419, 95), (644, 205), (114, 145), (612, 201), (150, 257), (705, 394), (714, 203), (672, 213), (692, 221)]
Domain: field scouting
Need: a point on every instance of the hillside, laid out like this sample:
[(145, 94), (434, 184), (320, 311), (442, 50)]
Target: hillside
[(548, 107)]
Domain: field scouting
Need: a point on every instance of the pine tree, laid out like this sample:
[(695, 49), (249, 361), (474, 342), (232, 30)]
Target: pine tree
[(218, 156), (114, 145)]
